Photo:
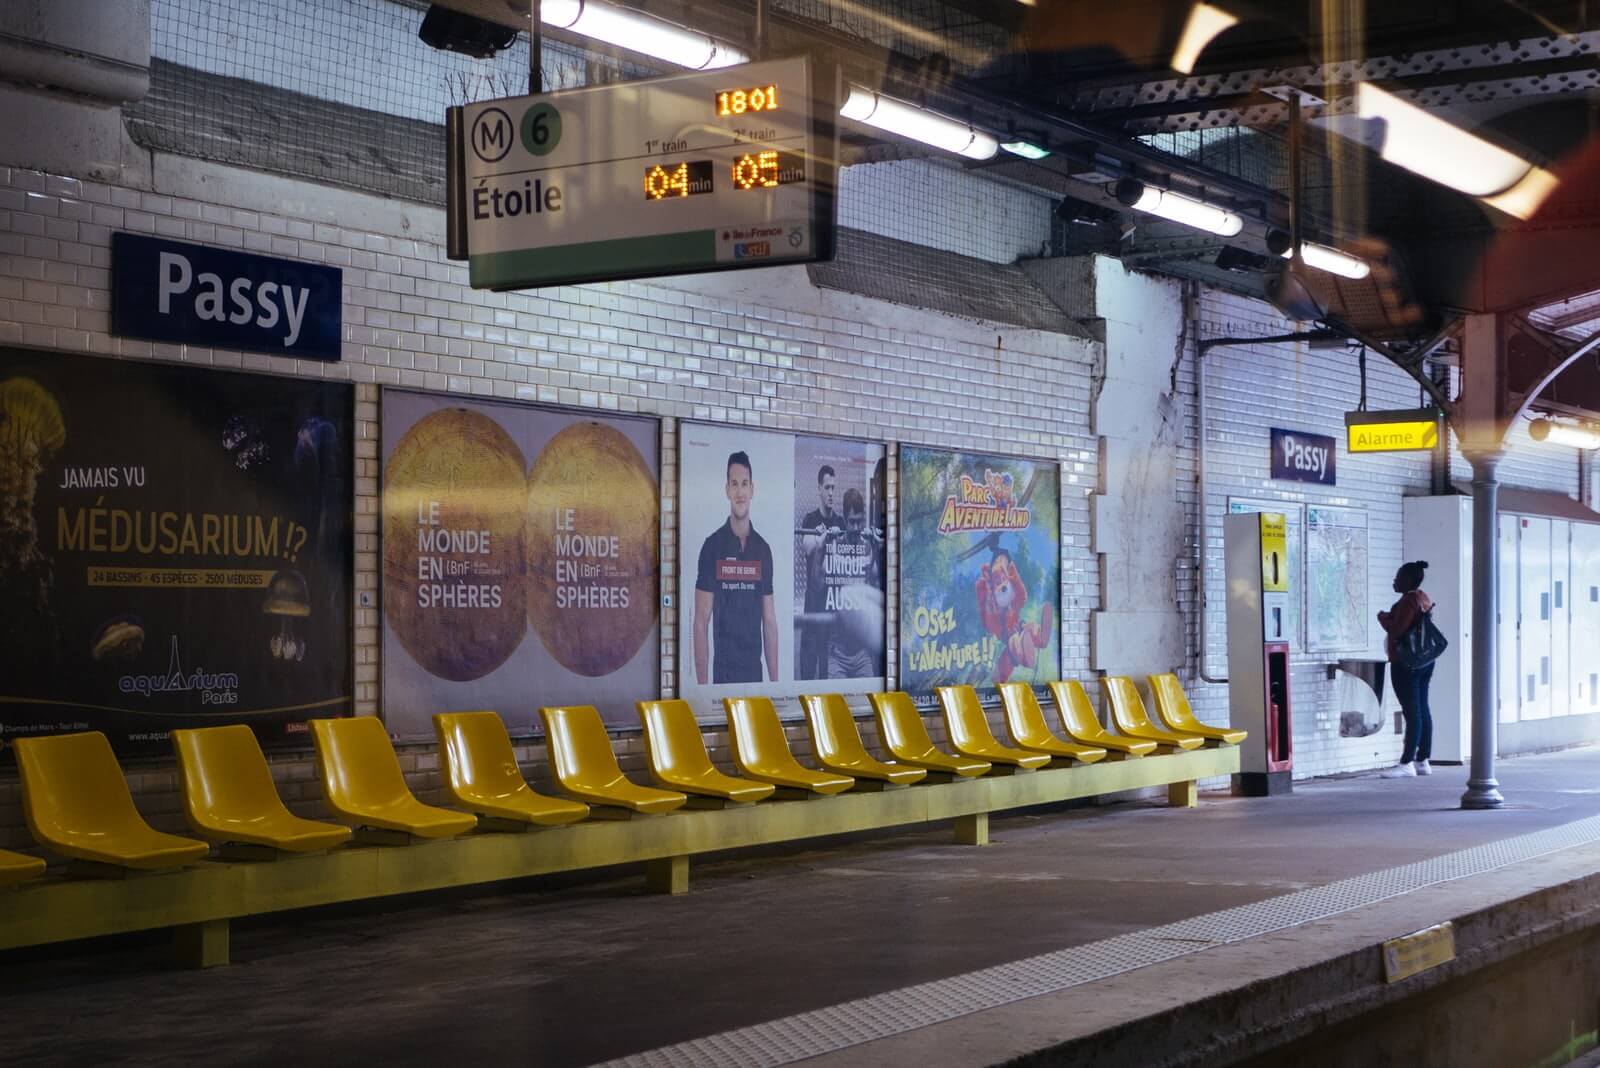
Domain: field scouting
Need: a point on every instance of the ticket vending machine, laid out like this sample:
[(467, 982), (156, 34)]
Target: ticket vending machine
[(1256, 550)]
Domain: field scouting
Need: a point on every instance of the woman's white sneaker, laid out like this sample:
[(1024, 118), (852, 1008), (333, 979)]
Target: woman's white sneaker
[(1422, 768), (1399, 771)]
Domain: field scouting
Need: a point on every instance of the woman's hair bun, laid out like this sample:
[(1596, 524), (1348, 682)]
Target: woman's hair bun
[(1421, 563)]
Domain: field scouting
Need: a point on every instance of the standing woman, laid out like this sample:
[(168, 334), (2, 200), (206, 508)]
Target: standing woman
[(1410, 686)]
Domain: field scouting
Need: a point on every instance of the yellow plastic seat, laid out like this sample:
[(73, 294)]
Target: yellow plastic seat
[(583, 763), (762, 752), (479, 771), (18, 867), (970, 733), (838, 746), (679, 760), (77, 804), (1132, 720), (906, 738), (1025, 719), (1080, 722), (362, 782), (1172, 705), (228, 794)]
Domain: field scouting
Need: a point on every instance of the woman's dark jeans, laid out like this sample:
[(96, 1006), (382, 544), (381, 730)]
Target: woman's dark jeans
[(1411, 687)]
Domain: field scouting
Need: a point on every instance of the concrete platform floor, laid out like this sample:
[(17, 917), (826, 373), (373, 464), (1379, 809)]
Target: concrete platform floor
[(550, 974)]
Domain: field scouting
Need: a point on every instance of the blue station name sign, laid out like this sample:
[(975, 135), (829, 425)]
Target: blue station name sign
[(189, 294), (1301, 457)]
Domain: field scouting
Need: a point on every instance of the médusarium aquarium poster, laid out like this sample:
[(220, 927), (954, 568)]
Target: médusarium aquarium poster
[(521, 558), (980, 571), (175, 549)]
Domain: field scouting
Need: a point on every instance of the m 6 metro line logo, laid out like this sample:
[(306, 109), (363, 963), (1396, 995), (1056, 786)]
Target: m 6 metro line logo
[(493, 134)]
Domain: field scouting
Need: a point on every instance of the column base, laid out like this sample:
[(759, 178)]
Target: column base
[(1263, 783), (1482, 794)]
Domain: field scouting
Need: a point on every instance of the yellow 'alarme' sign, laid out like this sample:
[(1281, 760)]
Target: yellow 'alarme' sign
[(1411, 430)]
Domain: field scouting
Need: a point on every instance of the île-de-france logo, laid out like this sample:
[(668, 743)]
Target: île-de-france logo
[(987, 505), (219, 688)]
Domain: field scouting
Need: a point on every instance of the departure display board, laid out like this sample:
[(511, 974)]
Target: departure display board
[(695, 172)]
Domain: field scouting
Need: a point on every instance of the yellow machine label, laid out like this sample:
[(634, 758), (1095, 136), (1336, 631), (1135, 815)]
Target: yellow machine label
[(1412, 954), (1274, 552)]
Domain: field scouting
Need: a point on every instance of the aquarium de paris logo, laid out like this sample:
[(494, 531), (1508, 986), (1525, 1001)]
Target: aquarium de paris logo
[(220, 688)]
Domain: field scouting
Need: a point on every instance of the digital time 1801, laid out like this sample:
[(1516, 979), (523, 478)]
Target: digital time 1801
[(742, 101)]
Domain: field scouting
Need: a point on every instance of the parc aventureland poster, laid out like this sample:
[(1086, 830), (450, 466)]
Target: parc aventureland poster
[(980, 571)]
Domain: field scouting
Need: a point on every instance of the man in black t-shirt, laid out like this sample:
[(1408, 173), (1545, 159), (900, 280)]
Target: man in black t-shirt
[(825, 522), (733, 592)]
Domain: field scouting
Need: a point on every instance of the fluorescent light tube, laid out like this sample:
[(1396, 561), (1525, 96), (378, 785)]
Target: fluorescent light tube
[(1178, 208), (1331, 260), (908, 120), (1573, 434), (640, 33), (1024, 149), (1443, 152)]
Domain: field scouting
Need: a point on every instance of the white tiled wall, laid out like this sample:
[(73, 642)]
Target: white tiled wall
[(940, 205), (1250, 390), (792, 357), (1528, 464)]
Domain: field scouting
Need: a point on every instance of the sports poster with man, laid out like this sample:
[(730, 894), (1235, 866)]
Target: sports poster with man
[(840, 523), (980, 571), (754, 602)]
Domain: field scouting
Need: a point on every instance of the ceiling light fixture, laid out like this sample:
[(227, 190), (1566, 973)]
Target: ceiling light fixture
[(1443, 152), (1331, 260), (1577, 435), (919, 124), (640, 33), (1025, 149), (1322, 257), (1178, 208)]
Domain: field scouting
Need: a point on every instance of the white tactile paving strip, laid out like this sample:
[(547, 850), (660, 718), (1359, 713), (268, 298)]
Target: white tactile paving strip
[(837, 1027)]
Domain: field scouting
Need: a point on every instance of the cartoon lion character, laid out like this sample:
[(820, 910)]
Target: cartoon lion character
[(1001, 596)]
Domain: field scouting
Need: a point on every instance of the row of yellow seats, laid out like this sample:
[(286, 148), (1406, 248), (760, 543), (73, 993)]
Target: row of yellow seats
[(77, 802)]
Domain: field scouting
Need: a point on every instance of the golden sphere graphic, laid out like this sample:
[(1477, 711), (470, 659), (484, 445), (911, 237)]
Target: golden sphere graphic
[(453, 583), (593, 548)]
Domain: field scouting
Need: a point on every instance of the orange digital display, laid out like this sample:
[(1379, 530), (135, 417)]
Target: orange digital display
[(767, 170), (672, 180), (742, 101)]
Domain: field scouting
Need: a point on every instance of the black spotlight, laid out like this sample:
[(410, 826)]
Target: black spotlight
[(454, 31), (1238, 259), (1129, 190), (1278, 241)]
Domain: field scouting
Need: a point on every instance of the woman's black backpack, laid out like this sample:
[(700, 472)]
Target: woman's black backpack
[(1421, 645)]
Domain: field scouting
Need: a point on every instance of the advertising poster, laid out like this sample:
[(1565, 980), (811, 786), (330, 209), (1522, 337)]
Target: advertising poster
[(980, 571), (175, 550), (781, 565), (521, 550)]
